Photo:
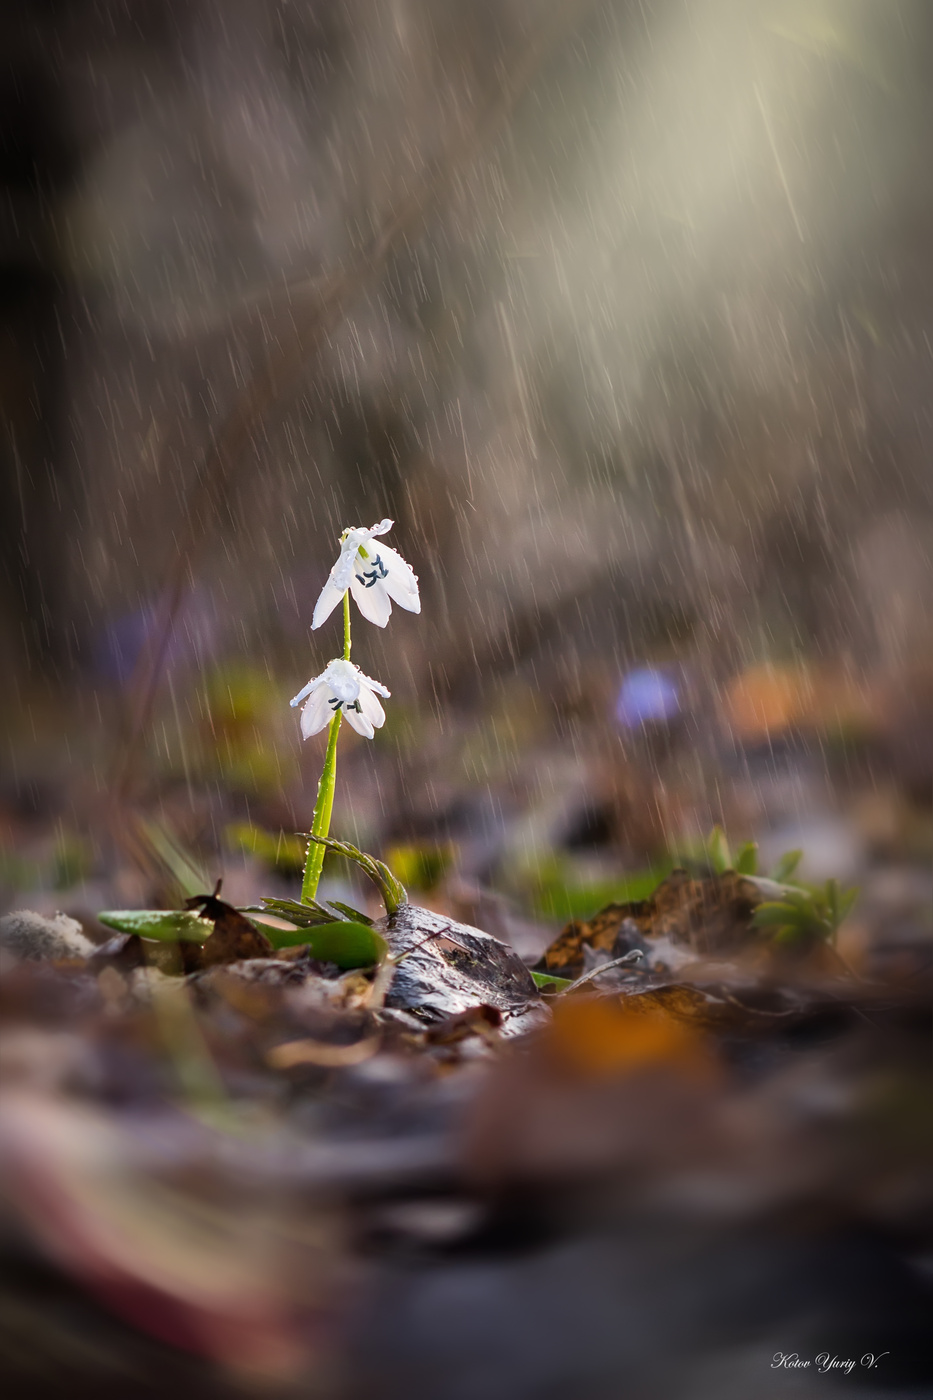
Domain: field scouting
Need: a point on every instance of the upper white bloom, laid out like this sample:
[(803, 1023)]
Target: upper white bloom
[(374, 575), (342, 686)]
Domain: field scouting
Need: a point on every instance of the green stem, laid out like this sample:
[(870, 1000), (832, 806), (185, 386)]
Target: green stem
[(323, 807), (324, 804)]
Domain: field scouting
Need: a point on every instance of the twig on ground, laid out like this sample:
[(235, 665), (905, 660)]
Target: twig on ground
[(631, 957)]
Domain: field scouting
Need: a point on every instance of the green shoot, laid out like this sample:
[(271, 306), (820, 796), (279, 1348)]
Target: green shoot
[(717, 849), (746, 859), (804, 917), (324, 804), (393, 892), (786, 866)]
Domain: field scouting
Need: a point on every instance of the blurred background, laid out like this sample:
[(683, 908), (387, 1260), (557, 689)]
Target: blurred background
[(622, 311)]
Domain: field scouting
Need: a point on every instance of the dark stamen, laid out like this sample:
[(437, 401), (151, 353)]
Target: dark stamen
[(369, 577)]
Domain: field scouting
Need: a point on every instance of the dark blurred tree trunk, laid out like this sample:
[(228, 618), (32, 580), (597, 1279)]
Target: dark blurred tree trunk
[(37, 161)]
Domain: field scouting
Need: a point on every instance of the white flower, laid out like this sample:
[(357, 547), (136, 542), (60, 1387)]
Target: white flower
[(374, 576), (341, 686)]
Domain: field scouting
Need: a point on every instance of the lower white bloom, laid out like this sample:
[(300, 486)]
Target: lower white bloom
[(375, 575), (341, 686)]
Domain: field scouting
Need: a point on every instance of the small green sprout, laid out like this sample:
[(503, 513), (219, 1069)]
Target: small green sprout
[(746, 859), (786, 866), (715, 854), (717, 851), (805, 915), (718, 855)]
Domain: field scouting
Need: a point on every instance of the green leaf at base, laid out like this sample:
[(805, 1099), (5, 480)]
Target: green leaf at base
[(165, 925), (348, 943), (344, 942), (348, 912), (774, 915), (544, 980), (393, 892), (307, 915)]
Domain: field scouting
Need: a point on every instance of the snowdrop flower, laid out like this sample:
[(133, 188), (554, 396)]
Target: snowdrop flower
[(375, 575), (341, 686)]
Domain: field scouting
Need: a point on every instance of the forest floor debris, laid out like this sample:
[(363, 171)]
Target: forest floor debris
[(257, 1161)]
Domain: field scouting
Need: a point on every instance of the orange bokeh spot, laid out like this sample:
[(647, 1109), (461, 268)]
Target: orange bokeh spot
[(605, 1036), (766, 699)]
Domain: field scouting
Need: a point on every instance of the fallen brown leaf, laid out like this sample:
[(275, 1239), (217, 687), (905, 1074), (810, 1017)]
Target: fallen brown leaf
[(234, 937)]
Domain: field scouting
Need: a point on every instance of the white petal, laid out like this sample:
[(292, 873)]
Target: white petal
[(317, 712), (342, 572), (371, 708), (399, 567), (331, 595), (307, 689), (401, 583), (383, 527), (359, 722), (372, 602), (344, 680), (338, 580), (374, 685)]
